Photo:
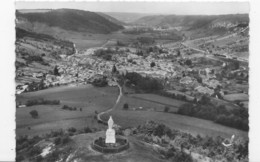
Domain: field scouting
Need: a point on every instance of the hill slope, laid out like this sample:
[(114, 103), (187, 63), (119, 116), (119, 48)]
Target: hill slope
[(38, 53), (203, 24), (70, 19), (126, 17), (193, 22), (111, 19)]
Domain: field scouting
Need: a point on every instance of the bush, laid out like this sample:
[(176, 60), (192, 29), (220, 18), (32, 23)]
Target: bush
[(166, 109), (87, 130), (56, 71), (56, 133), (66, 107), (54, 156), (34, 114), (125, 106), (35, 151), (72, 130), (152, 64), (182, 156), (65, 140), (57, 141)]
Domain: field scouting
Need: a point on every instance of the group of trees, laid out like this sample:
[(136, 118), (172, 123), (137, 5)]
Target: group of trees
[(146, 84), (173, 95), (100, 81), (236, 117), (42, 102), (208, 146), (35, 86), (105, 54), (35, 58)]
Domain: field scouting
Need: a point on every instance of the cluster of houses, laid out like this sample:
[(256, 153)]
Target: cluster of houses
[(85, 67)]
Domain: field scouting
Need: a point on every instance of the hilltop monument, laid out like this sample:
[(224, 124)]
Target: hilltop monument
[(110, 133)]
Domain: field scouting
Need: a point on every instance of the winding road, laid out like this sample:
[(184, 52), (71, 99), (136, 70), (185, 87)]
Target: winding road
[(115, 105)]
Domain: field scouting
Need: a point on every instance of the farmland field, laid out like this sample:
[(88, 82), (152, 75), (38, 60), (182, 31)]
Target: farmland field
[(159, 99), (51, 117), (150, 102)]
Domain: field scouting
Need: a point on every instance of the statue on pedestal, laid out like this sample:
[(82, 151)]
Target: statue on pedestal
[(110, 133)]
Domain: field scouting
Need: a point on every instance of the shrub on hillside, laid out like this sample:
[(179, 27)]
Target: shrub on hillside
[(182, 156), (34, 151), (65, 140), (57, 140), (87, 130), (152, 64), (72, 130), (34, 114), (166, 109), (66, 107), (125, 107)]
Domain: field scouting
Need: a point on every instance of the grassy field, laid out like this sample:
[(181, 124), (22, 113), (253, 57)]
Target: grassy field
[(159, 99), (91, 98), (238, 96), (187, 124), (135, 103), (51, 117), (150, 101), (129, 118)]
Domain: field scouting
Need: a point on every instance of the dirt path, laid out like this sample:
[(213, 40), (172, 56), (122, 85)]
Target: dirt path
[(110, 109)]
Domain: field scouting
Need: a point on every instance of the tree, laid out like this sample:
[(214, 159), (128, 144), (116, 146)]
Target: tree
[(34, 113), (56, 71), (114, 70), (188, 62), (152, 64), (205, 100), (178, 53)]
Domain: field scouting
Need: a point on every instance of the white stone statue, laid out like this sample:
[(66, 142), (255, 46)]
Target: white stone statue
[(110, 133)]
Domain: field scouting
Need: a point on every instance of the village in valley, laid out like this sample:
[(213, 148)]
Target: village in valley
[(186, 68), (177, 89)]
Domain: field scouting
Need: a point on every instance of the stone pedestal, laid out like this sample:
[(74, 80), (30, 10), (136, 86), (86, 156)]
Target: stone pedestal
[(110, 133), (110, 136)]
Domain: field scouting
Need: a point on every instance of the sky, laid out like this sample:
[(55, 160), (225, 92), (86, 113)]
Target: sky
[(178, 8)]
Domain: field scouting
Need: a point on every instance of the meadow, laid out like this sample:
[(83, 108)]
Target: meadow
[(186, 124), (53, 117)]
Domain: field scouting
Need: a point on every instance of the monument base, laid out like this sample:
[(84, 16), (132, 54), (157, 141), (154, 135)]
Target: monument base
[(120, 145)]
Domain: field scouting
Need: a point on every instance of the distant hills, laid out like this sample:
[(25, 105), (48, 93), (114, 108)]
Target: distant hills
[(194, 21), (112, 19), (69, 19), (126, 17)]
